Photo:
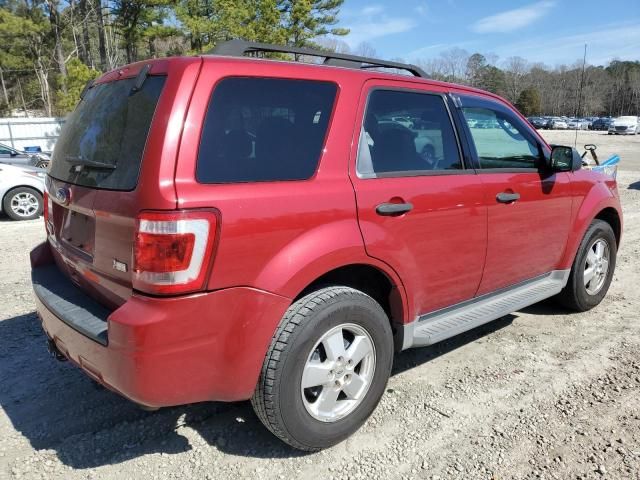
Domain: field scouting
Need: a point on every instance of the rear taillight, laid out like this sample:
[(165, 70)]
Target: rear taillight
[(48, 208), (173, 251)]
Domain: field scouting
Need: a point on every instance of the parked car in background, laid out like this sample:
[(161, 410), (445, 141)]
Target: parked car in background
[(578, 124), (626, 125), (13, 156), (601, 123), (296, 234), (21, 191), (557, 123), (538, 122)]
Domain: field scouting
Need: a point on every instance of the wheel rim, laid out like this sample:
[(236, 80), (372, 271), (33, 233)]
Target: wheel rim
[(596, 266), (338, 372), (24, 204)]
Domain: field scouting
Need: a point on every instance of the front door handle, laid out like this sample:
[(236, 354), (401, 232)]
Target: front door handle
[(393, 209), (505, 197)]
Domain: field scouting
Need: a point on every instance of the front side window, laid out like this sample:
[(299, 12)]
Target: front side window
[(406, 133), (499, 142), (264, 129)]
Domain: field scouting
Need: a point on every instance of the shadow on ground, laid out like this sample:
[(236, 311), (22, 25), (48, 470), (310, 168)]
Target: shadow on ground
[(57, 407), (634, 186)]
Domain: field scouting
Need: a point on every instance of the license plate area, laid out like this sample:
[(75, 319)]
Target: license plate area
[(78, 232)]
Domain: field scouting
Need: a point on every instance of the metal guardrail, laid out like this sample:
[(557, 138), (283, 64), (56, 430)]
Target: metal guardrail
[(11, 126)]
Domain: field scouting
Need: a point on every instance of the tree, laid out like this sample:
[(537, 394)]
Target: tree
[(454, 64), (207, 22), (529, 101), (56, 28), (134, 17), (365, 49), (515, 70), (492, 80), (476, 66), (306, 20), (102, 38), (78, 74), (27, 30)]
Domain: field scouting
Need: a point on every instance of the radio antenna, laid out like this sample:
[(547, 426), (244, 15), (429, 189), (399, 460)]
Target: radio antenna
[(584, 63)]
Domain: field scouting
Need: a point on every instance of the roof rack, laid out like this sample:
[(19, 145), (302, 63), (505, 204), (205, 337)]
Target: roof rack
[(238, 48)]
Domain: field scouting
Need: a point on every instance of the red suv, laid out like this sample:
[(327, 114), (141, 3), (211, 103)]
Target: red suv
[(228, 228)]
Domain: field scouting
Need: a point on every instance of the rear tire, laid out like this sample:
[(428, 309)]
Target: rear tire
[(326, 368), (592, 269), (22, 203)]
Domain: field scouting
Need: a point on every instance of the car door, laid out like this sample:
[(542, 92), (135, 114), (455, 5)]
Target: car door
[(529, 207), (5, 155), (420, 209)]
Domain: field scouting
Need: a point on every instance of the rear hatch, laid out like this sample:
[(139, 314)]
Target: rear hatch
[(107, 166)]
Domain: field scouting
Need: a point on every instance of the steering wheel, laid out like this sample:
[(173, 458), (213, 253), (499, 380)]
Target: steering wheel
[(428, 154)]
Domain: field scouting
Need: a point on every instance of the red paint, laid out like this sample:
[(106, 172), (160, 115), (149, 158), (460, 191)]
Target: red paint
[(526, 238), (269, 241)]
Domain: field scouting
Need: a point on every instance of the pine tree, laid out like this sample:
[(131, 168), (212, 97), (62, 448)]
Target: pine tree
[(529, 101), (305, 20)]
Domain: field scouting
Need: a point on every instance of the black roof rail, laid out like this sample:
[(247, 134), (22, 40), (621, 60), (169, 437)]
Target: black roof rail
[(238, 48)]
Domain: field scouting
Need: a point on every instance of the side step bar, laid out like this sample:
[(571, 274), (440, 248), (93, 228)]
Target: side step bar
[(448, 322)]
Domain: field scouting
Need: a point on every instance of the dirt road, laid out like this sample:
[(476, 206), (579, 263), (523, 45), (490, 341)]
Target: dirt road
[(542, 393)]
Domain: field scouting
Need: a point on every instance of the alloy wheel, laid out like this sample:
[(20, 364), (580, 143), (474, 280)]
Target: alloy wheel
[(338, 372), (24, 204), (596, 266)]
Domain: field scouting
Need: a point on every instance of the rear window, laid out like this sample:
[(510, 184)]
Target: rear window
[(264, 129), (102, 142)]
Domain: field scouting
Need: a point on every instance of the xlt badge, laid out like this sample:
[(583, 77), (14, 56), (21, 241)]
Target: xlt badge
[(120, 266)]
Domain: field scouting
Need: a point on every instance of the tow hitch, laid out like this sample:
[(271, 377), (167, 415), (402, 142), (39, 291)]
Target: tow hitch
[(53, 350)]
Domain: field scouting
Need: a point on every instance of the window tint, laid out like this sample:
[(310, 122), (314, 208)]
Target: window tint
[(406, 132), (500, 143), (263, 129), (108, 129), (4, 151)]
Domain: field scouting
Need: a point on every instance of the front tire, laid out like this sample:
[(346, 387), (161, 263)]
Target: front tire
[(23, 203), (592, 269), (326, 368)]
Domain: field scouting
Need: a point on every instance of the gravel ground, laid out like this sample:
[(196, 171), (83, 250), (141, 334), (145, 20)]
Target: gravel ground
[(542, 393)]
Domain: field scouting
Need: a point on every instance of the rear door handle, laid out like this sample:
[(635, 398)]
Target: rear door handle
[(391, 209), (507, 197)]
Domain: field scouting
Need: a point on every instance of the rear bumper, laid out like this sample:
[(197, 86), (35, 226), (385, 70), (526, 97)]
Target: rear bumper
[(168, 351)]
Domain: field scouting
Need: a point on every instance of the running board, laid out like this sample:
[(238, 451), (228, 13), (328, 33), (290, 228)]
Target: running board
[(448, 322)]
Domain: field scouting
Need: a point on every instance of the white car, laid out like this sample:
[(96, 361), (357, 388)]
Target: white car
[(627, 125), (21, 191), (577, 124), (557, 124)]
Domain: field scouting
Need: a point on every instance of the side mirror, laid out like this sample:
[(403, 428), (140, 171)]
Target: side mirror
[(13, 153), (562, 159)]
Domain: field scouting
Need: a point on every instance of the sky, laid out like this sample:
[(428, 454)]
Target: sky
[(553, 32)]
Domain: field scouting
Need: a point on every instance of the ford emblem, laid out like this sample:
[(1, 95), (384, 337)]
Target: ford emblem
[(63, 196)]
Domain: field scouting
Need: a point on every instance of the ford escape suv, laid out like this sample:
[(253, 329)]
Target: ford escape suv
[(224, 227)]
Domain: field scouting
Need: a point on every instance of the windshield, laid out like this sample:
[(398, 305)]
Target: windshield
[(102, 142)]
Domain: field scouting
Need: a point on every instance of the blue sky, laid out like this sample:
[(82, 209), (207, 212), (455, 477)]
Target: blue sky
[(550, 31)]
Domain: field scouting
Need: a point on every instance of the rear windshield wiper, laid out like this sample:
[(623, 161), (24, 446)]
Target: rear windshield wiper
[(78, 162)]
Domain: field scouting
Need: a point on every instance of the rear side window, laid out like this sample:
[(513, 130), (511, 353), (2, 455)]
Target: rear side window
[(102, 142), (406, 133), (264, 129)]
